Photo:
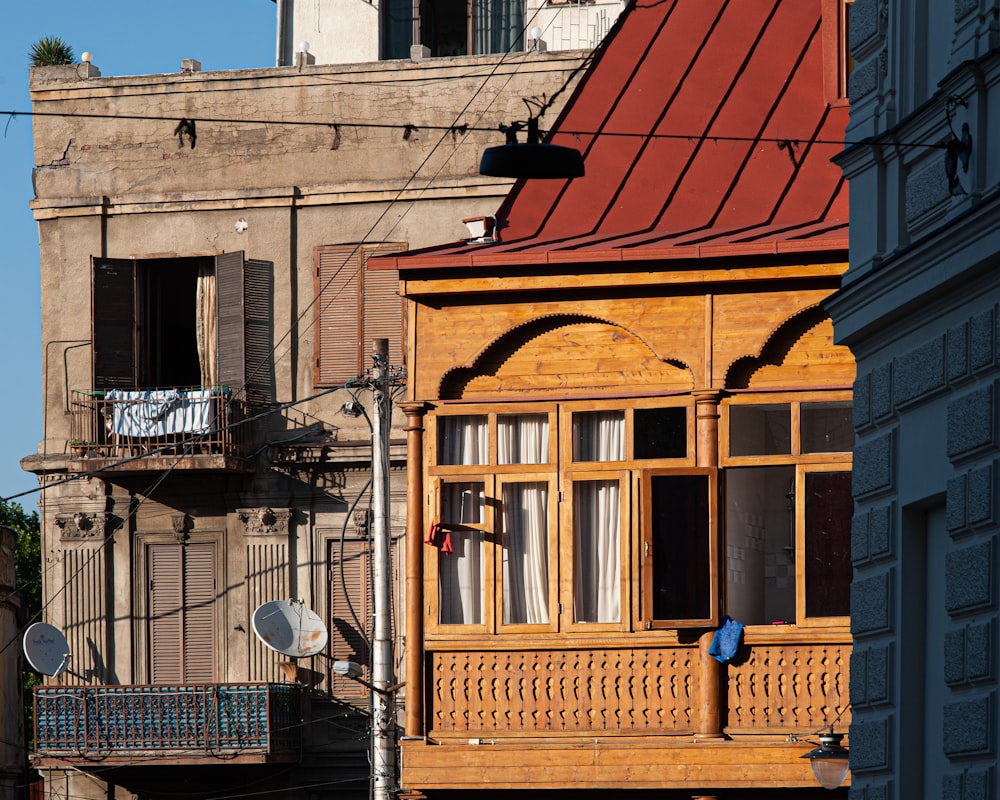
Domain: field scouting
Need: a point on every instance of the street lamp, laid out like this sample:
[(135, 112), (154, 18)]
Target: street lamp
[(829, 761)]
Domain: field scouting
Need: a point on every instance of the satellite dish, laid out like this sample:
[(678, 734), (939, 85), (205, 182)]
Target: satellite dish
[(289, 627), (46, 649)]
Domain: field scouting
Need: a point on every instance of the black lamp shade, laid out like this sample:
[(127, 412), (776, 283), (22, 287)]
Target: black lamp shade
[(531, 160)]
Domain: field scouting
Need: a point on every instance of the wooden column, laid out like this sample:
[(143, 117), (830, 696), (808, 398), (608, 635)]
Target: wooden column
[(414, 567), (711, 672)]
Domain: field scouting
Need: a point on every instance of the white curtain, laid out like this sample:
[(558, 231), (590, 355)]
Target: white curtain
[(463, 440), (599, 436), (596, 540), (525, 553), (205, 325), (461, 573), (523, 438)]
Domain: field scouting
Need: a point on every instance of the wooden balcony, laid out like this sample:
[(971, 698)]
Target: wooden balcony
[(201, 724), (614, 717), (153, 429)]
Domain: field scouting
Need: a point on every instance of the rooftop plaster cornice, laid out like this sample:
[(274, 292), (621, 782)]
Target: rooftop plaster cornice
[(278, 197), (58, 84)]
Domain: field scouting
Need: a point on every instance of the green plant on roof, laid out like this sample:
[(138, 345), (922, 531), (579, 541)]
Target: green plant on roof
[(50, 51)]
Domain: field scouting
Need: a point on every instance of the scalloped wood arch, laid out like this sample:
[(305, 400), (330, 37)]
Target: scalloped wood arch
[(565, 354), (799, 352)]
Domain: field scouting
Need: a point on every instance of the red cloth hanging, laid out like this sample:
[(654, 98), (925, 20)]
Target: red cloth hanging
[(440, 538)]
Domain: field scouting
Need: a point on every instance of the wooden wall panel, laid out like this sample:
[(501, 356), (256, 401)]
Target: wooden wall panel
[(588, 358), (552, 691), (672, 328)]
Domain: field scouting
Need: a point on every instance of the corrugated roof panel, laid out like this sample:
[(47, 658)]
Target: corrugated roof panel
[(701, 122)]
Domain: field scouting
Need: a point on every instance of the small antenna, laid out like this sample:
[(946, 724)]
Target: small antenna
[(46, 649)]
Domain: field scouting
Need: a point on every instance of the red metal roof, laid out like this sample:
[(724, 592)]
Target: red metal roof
[(707, 128)]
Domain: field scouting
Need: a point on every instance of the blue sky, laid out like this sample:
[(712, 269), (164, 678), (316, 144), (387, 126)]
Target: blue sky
[(126, 38)]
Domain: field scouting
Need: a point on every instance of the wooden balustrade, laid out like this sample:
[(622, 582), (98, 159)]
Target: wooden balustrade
[(778, 688)]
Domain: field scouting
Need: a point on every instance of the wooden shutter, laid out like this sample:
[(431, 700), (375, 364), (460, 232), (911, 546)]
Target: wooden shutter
[(257, 300), (354, 589), (114, 323), (199, 613), (230, 322), (166, 582), (337, 314), (182, 613), (383, 307)]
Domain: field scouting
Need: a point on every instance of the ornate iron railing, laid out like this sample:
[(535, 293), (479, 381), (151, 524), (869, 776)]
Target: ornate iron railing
[(216, 719), (120, 423)]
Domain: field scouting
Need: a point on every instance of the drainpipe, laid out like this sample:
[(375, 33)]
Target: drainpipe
[(280, 49)]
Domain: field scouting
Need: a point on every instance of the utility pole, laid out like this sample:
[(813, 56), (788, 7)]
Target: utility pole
[(383, 713)]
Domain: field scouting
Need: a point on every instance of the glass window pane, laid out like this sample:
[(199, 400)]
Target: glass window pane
[(760, 545), (523, 438), (760, 430), (827, 428), (599, 436), (461, 572), (680, 541), (596, 538), (525, 553), (829, 508), (463, 440), (460, 580), (660, 432)]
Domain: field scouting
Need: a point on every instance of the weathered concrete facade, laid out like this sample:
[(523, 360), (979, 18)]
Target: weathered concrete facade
[(157, 177), (919, 309)]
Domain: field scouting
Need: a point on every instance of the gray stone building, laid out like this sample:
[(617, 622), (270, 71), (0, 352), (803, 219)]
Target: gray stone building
[(207, 325), (919, 309)]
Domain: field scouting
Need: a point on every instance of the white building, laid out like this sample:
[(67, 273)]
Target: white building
[(354, 31)]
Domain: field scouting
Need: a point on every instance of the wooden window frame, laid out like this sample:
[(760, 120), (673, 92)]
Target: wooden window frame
[(553, 552), (795, 401), (560, 471), (567, 555), (802, 463), (801, 620), (715, 532)]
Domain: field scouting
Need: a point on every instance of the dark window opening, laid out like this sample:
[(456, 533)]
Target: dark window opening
[(167, 323), (680, 537), (660, 432), (829, 508)]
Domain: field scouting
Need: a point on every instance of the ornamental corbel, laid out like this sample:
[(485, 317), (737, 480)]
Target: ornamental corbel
[(265, 521), (80, 525)]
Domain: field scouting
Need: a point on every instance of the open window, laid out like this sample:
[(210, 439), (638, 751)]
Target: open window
[(183, 323), (679, 552), (788, 508)]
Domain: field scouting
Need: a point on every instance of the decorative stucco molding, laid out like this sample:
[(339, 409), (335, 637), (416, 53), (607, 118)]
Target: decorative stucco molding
[(265, 521), (80, 525)]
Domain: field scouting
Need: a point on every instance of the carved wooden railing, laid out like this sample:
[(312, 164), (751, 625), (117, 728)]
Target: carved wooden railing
[(573, 691), (777, 688), (789, 688)]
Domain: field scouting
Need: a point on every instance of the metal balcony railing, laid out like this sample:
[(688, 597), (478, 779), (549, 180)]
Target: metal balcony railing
[(123, 423), (180, 721)]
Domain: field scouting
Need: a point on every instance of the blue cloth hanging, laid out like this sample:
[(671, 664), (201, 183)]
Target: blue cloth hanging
[(726, 640)]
